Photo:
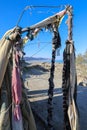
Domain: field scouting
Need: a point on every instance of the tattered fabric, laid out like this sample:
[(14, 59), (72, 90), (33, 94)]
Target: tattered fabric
[(69, 86)]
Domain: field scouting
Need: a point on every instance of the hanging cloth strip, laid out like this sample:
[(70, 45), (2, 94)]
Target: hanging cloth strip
[(56, 43), (17, 123), (16, 86), (69, 86)]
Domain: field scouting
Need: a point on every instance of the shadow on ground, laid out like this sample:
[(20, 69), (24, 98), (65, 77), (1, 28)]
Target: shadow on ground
[(39, 107)]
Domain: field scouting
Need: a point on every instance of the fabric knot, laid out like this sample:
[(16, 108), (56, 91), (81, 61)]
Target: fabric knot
[(17, 112)]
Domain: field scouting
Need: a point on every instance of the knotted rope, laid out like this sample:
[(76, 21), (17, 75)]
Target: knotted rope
[(56, 43), (65, 85)]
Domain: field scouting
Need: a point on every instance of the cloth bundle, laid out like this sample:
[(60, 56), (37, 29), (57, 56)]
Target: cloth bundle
[(18, 106)]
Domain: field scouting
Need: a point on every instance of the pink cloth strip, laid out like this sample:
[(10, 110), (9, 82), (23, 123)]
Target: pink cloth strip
[(16, 87)]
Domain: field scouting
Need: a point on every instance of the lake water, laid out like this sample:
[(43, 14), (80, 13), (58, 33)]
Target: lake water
[(48, 61)]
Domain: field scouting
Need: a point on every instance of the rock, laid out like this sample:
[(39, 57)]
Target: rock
[(84, 84)]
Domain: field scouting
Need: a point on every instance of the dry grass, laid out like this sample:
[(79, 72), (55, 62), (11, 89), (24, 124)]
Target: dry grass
[(81, 72)]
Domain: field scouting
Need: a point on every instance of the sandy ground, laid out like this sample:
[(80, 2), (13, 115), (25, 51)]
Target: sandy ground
[(36, 81)]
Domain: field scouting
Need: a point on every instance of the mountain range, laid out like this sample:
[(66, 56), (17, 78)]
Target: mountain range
[(35, 58)]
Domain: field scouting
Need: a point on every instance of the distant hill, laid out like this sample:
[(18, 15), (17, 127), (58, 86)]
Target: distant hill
[(35, 59)]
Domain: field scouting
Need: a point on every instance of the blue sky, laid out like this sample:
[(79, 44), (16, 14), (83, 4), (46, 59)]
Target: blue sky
[(10, 11)]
